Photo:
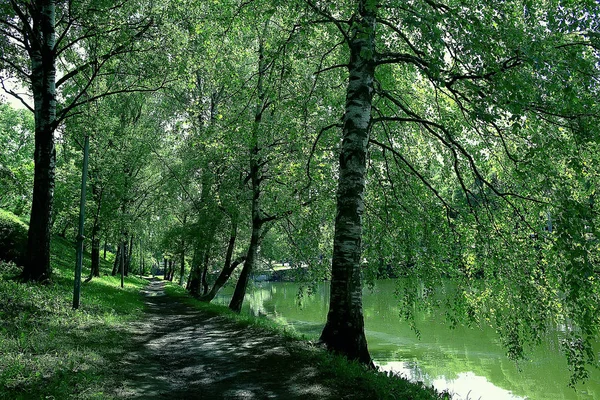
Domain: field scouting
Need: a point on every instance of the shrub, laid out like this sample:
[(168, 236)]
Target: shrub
[(13, 237)]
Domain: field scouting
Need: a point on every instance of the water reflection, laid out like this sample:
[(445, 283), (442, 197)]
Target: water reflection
[(468, 362), (466, 385)]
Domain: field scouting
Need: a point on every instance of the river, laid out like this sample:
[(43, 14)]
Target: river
[(470, 363)]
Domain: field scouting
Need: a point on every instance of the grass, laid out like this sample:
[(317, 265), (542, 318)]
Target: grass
[(243, 320), (50, 351), (351, 376)]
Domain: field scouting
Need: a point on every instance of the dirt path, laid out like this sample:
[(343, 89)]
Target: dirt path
[(183, 353)]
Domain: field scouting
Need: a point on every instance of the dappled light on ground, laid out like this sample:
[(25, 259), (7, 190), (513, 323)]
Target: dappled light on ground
[(183, 353)]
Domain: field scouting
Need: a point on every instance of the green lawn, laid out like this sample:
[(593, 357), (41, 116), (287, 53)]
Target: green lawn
[(48, 350)]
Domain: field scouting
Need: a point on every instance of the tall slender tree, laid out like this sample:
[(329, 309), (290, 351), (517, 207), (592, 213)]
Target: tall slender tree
[(36, 34), (32, 25), (344, 330)]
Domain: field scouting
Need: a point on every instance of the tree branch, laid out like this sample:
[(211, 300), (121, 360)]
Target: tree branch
[(454, 146), (413, 170), (330, 68), (15, 95), (403, 36), (64, 113), (338, 23), (122, 49), (312, 151)]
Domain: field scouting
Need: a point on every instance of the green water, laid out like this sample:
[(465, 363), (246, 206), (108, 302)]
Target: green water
[(468, 362)]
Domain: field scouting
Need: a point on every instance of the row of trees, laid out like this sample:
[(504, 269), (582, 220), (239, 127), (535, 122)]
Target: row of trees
[(453, 139)]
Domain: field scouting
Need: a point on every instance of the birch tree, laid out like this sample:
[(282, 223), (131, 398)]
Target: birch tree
[(448, 90), (37, 37)]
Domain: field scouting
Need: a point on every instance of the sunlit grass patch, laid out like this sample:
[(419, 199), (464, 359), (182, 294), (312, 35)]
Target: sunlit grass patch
[(50, 350)]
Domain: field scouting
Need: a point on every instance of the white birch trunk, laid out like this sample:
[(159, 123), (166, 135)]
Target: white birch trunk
[(43, 80), (344, 330)]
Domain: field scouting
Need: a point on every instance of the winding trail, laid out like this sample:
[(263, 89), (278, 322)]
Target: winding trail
[(183, 353)]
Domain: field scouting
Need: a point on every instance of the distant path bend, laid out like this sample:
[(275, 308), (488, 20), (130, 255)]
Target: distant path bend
[(183, 353)]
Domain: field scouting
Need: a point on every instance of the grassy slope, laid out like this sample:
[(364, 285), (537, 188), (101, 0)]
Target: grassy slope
[(343, 374), (49, 350)]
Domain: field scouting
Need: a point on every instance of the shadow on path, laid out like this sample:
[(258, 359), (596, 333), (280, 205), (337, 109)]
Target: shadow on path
[(183, 353)]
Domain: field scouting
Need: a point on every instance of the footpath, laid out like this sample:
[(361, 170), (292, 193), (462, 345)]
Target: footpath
[(183, 353)]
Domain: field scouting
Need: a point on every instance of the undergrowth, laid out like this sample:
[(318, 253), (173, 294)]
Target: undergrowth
[(351, 376), (50, 351), (13, 237)]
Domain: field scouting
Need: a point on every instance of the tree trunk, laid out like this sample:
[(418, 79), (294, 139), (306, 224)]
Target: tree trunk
[(193, 284), (231, 244), (131, 246), (97, 196), (205, 271), (171, 269), (95, 270), (43, 83), (117, 260), (123, 257), (122, 262), (344, 330), (105, 246), (202, 247), (182, 263), (128, 253), (240, 288), (188, 283), (222, 279), (206, 260), (143, 259), (227, 267), (124, 253), (63, 232), (255, 177)]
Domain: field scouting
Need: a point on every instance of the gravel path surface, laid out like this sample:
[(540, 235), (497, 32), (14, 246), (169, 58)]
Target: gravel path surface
[(183, 353)]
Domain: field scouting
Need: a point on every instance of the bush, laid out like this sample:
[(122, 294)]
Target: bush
[(13, 237)]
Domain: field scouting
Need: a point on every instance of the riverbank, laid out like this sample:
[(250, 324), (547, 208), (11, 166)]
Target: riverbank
[(122, 345), (188, 350)]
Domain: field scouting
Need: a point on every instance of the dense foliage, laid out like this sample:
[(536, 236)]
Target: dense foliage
[(221, 130), (16, 159), (13, 237)]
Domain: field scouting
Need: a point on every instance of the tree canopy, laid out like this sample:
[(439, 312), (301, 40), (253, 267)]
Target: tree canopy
[(438, 140)]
